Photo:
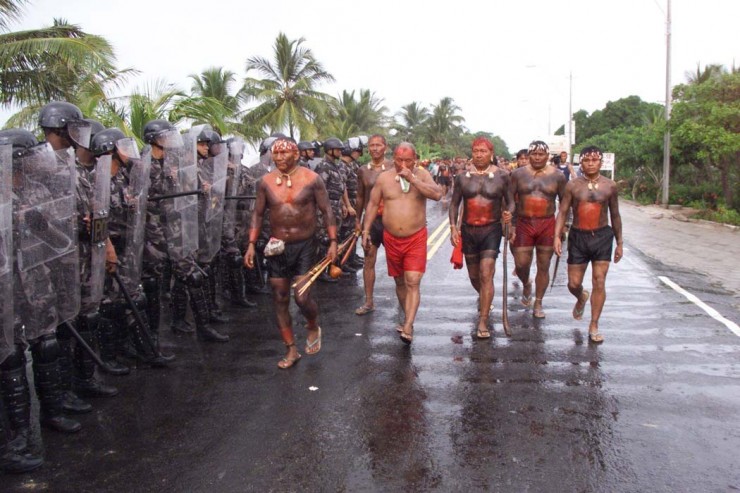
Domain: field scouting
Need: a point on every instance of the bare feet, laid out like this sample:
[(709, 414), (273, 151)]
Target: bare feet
[(537, 311), (407, 337)]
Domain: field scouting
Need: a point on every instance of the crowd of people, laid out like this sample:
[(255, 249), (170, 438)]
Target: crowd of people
[(96, 235)]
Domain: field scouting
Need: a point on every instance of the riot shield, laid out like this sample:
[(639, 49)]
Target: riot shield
[(236, 151), (6, 252), (212, 174), (180, 166), (99, 226), (46, 251), (135, 202)]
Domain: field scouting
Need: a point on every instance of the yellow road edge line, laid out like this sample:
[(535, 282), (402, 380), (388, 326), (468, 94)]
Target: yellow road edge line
[(434, 234), (438, 244)]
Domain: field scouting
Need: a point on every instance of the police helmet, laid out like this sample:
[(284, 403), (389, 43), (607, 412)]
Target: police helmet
[(317, 147), (58, 114), (355, 144), (278, 135), (155, 128), (95, 126), (266, 145), (305, 145), (332, 143), (19, 138), (346, 149), (105, 141)]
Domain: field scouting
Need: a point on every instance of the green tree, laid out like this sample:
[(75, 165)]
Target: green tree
[(286, 96), (622, 113), (413, 118), (705, 126), (444, 126), (350, 116), (216, 83), (37, 66)]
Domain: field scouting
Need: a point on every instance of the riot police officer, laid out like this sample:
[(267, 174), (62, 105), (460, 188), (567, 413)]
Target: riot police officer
[(332, 172)]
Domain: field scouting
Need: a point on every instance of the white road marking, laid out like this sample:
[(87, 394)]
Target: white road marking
[(711, 311)]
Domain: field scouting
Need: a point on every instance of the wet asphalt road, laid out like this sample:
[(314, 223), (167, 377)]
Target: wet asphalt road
[(655, 408)]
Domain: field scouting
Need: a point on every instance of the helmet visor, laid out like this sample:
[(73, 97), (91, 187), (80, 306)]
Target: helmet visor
[(79, 132), (169, 138), (127, 149)]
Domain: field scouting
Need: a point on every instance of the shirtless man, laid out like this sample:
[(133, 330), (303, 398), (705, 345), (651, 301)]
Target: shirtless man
[(536, 187), (484, 188), (293, 194), (366, 177), (404, 190), (591, 196)]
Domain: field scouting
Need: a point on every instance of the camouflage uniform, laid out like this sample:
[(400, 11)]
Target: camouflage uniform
[(248, 180), (333, 174), (348, 223)]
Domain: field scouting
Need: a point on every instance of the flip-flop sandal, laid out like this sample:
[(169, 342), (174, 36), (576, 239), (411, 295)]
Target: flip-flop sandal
[(527, 300), (286, 363), (364, 310), (578, 314), (406, 338), (315, 344), (399, 329), (595, 338), (538, 312), (483, 335)]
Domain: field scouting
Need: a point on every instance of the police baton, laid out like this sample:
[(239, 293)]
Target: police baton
[(82, 342), (140, 320), (174, 195)]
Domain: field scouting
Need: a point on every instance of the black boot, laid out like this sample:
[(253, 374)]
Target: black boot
[(84, 382), (17, 397), (108, 342), (216, 316), (180, 309), (152, 307), (45, 351), (236, 276), (71, 403), (199, 305), (12, 461), (144, 345)]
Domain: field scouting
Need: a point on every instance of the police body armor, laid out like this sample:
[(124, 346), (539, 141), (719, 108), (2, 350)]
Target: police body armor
[(212, 171), (46, 241), (6, 252)]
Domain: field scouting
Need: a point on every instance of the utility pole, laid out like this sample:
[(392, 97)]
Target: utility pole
[(667, 136), (570, 119)]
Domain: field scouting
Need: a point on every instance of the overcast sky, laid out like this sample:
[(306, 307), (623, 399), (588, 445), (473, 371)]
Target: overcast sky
[(505, 63)]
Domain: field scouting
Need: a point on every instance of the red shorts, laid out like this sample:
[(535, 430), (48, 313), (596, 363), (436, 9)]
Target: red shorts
[(535, 231), (405, 254)]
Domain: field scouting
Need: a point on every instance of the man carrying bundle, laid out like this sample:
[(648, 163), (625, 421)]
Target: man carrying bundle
[(293, 194)]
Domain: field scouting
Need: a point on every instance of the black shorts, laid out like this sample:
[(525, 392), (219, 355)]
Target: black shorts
[(586, 246), (444, 180), (483, 241), (376, 232), (297, 259)]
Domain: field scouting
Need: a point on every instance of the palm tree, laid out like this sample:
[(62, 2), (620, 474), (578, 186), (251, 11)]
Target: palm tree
[(350, 117), (444, 125), (413, 119), (216, 83), (286, 97), (711, 71), (41, 65)]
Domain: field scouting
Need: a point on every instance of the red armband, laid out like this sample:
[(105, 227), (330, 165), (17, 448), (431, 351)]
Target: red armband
[(254, 233)]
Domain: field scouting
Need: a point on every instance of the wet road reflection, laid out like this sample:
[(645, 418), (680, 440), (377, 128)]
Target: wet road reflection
[(653, 409)]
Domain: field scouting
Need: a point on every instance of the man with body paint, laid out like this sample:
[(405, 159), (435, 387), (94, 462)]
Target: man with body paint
[(294, 194), (536, 187), (591, 197)]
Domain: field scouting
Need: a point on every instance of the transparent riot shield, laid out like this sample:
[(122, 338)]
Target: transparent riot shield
[(213, 182), (135, 202), (99, 226), (236, 151), (45, 219), (180, 166), (6, 252)]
